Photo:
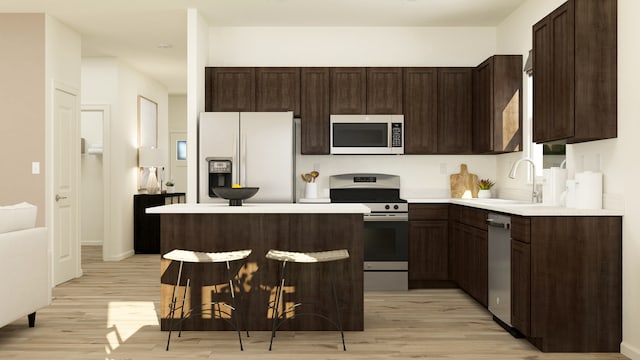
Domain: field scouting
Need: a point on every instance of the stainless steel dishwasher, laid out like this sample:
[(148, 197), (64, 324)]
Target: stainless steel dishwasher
[(500, 268)]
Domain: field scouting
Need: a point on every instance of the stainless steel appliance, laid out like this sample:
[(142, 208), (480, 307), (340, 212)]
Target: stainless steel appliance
[(386, 229), (367, 134), (248, 148), (500, 267)]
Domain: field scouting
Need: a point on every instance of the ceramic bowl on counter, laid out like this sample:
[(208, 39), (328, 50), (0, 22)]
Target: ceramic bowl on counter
[(235, 195)]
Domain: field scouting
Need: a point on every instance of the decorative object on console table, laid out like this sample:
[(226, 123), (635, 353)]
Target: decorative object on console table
[(464, 184), (146, 227), (149, 162)]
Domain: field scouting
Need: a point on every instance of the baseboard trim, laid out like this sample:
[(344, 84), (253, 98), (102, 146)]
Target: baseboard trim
[(91, 243), (121, 256), (630, 351)]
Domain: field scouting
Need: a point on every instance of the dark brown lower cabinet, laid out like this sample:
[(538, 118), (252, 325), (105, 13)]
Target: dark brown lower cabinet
[(567, 283), (428, 246), (468, 251), (521, 286)]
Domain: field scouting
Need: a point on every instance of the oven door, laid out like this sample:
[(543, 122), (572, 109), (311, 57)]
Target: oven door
[(386, 237), (386, 252)]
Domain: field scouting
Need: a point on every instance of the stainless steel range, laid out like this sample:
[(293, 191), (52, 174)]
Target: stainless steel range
[(386, 232)]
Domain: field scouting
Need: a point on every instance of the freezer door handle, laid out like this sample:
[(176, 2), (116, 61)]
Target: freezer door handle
[(498, 224), (243, 154)]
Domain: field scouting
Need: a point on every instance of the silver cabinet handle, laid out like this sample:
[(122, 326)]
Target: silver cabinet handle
[(58, 197)]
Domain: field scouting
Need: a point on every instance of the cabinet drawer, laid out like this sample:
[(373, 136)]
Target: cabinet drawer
[(421, 212), (474, 217), (521, 229)]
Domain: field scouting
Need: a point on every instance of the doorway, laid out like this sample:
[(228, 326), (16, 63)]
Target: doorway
[(95, 204)]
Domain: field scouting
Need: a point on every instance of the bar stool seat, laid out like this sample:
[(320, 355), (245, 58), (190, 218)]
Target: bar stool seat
[(189, 256), (304, 258)]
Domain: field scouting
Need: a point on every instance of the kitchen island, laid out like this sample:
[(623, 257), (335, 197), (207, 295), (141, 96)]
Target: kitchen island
[(261, 227)]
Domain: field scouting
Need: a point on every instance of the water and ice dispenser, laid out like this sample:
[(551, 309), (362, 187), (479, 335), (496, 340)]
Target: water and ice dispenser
[(219, 174)]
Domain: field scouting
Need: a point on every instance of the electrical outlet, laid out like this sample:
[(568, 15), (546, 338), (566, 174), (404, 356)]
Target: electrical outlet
[(35, 167)]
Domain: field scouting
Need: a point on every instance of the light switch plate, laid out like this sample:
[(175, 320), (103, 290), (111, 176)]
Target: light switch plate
[(35, 167)]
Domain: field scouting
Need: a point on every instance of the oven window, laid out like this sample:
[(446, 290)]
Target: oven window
[(360, 135), (386, 241)]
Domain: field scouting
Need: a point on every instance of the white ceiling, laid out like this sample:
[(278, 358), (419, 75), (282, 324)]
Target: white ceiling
[(132, 29)]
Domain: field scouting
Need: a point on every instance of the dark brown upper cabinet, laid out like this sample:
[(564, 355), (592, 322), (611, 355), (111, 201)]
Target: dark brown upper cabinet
[(314, 111), (497, 110), (575, 73), (384, 90), (348, 90), (454, 110), (420, 110), (230, 89), (278, 89)]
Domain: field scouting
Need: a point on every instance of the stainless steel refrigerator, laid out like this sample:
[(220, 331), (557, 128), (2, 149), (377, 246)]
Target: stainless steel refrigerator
[(257, 148)]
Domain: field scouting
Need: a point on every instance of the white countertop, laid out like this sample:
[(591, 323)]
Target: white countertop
[(314, 208), (520, 207)]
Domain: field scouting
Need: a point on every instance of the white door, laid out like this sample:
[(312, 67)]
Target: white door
[(178, 160), (66, 244)]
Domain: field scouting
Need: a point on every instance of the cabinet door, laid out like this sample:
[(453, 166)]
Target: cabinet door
[(420, 110), (477, 253), (314, 111), (384, 90), (553, 104), (278, 89), (482, 100), (521, 286), (456, 247), (428, 252), (454, 110), (230, 89), (348, 90)]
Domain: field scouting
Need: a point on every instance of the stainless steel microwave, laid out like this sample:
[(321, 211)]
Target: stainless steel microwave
[(367, 134)]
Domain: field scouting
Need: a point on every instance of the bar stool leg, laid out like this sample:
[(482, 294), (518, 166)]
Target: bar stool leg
[(233, 303), (184, 301), (173, 305), (276, 309), (335, 298)]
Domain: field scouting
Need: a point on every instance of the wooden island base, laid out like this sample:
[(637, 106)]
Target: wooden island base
[(261, 232)]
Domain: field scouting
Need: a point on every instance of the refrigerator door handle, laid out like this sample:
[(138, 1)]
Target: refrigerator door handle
[(243, 154), (234, 162)]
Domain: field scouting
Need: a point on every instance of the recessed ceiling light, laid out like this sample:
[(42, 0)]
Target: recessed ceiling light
[(164, 46)]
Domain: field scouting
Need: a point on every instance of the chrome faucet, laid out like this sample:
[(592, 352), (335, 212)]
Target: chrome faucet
[(535, 195)]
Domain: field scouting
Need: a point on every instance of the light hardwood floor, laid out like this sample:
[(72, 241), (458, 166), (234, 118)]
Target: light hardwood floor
[(112, 313)]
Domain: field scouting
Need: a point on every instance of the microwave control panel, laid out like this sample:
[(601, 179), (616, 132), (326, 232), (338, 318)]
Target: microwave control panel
[(396, 135)]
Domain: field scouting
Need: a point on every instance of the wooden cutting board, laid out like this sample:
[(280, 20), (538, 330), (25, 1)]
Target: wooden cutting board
[(462, 182)]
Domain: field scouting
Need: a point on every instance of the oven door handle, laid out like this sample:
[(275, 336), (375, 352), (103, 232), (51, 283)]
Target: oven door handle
[(386, 217)]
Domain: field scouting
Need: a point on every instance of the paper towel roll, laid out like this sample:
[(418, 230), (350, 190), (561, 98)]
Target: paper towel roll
[(554, 184), (589, 190)]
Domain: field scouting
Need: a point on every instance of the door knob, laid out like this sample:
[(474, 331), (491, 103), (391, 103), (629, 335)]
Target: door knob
[(58, 197)]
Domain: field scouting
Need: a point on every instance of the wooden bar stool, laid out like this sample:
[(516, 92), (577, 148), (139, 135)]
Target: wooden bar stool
[(183, 256), (279, 317)]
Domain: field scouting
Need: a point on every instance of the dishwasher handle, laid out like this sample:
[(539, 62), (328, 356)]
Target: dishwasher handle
[(498, 224)]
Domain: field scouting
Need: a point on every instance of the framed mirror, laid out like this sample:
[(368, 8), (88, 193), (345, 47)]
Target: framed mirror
[(147, 123)]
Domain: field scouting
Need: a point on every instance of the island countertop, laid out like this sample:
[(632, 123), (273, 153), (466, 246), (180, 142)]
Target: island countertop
[(255, 208)]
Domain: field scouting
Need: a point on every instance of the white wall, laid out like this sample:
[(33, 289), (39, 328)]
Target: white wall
[(177, 124), (612, 156), (197, 54), (624, 150), (421, 176), (110, 82), (62, 71)]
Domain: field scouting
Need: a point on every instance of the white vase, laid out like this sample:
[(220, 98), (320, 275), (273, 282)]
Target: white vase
[(311, 190), (484, 194)]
